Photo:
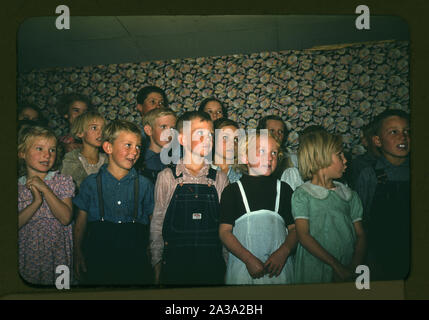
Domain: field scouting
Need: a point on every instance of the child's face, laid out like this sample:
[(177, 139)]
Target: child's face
[(158, 139), (337, 167), (226, 143), (394, 139), (29, 114), (75, 110), (214, 109), (200, 141), (263, 162), (92, 134), (124, 151), (40, 155), (153, 100), (276, 128)]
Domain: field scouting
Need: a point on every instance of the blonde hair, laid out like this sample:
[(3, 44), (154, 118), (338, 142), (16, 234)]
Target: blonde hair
[(315, 152), (112, 130), (243, 147), (80, 124), (26, 136), (152, 115)]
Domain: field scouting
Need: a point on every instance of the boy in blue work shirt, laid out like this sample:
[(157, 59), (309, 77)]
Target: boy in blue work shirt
[(184, 240), (114, 208), (157, 125)]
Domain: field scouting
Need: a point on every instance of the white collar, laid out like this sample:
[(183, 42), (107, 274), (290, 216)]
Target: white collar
[(49, 176), (320, 192)]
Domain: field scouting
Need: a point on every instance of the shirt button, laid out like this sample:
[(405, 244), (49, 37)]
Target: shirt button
[(119, 202)]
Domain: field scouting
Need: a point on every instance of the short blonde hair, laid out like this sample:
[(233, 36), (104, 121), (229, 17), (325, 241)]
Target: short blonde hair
[(152, 115), (80, 124), (315, 152), (243, 146), (25, 137), (112, 130)]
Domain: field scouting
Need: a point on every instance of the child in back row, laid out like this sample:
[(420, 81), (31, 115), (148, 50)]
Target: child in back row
[(328, 215), (70, 107), (44, 208), (154, 124), (256, 221), (115, 205), (185, 245), (225, 150), (85, 160), (384, 188)]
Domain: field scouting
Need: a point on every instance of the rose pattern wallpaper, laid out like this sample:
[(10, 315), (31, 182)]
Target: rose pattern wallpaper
[(341, 89)]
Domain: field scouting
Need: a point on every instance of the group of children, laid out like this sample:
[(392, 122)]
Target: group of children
[(232, 209)]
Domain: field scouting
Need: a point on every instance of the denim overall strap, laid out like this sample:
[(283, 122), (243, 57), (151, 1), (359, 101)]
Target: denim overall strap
[(100, 196)]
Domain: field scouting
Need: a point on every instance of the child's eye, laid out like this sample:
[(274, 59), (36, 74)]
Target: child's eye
[(274, 153), (219, 112), (52, 150), (225, 138), (138, 148), (39, 148)]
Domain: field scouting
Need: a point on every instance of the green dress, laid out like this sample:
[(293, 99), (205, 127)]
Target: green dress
[(330, 214)]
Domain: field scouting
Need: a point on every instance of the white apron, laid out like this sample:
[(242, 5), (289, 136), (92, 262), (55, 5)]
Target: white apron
[(261, 232)]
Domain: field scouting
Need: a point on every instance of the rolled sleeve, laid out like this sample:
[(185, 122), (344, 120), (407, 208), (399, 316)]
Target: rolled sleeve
[(164, 187)]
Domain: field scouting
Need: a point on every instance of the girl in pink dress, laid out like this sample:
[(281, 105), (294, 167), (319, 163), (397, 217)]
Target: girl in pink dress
[(44, 209)]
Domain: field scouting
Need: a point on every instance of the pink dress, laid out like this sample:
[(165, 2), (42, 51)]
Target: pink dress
[(43, 242)]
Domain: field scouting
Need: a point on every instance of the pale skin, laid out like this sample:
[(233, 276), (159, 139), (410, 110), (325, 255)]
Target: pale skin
[(267, 156), (226, 139), (123, 153), (91, 140), (75, 110), (40, 157), (324, 177), (196, 149)]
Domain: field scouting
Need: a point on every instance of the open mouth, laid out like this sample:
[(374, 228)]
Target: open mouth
[(402, 146)]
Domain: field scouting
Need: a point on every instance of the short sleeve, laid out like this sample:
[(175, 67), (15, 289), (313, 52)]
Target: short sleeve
[(67, 187), (285, 204), (300, 204), (228, 204), (83, 198), (292, 177), (356, 212)]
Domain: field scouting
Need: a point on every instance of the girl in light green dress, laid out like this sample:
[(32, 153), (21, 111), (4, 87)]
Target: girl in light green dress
[(328, 214)]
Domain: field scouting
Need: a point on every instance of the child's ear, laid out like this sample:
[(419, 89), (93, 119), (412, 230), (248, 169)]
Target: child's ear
[(107, 147), (376, 141), (180, 137), (21, 155), (148, 130), (79, 135)]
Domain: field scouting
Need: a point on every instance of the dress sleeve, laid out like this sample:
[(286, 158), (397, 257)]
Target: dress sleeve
[(356, 212), (67, 187), (292, 177), (300, 205)]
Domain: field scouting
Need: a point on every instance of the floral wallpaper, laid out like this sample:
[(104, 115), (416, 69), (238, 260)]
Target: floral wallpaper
[(341, 89)]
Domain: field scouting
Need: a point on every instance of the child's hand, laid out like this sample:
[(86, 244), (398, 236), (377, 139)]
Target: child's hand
[(35, 181), (255, 267), (341, 273), (275, 263), (157, 272), (37, 196), (79, 263)]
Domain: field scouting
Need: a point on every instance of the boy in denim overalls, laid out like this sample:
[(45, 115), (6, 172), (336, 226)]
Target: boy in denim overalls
[(184, 241)]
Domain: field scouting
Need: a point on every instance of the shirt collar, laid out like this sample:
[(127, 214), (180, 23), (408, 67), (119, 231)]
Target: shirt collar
[(130, 175), (320, 192), (181, 168)]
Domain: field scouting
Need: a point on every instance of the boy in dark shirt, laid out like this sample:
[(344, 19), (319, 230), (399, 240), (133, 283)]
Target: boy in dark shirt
[(384, 189)]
